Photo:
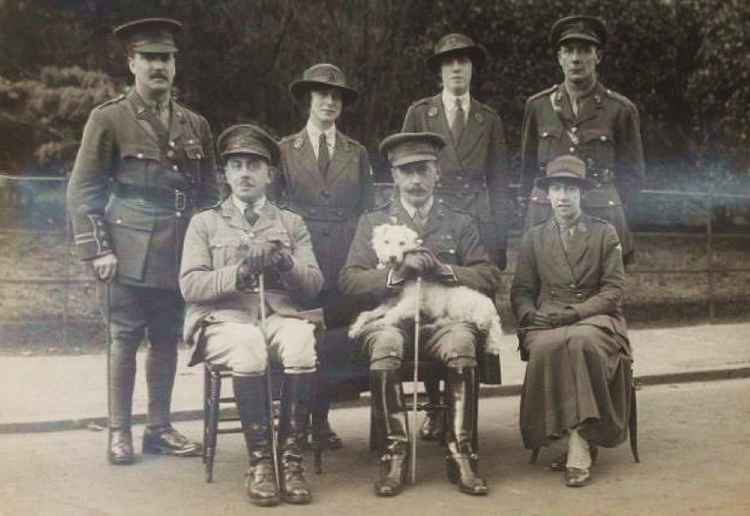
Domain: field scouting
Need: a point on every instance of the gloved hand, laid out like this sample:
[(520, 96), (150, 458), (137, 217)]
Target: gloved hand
[(282, 260), (540, 319), (564, 317), (257, 257), (416, 263)]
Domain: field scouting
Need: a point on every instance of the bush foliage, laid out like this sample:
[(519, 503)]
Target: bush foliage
[(684, 63)]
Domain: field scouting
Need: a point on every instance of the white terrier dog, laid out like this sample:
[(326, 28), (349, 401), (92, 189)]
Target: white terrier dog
[(439, 301)]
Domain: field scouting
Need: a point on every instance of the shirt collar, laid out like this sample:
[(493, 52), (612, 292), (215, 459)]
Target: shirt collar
[(563, 224), (314, 133), (242, 205), (449, 100), (424, 210)]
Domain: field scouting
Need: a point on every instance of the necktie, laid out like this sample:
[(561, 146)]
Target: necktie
[(459, 121), (566, 234), (420, 219), (250, 215), (324, 158)]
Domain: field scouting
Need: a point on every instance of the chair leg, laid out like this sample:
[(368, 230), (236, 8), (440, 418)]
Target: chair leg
[(206, 413), (633, 425), (475, 434), (213, 424), (534, 455)]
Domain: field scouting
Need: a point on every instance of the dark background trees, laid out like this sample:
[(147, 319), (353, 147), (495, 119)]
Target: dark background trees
[(684, 63)]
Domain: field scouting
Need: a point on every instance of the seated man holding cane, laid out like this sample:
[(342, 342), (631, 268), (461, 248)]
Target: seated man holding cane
[(567, 297), (228, 250), (451, 253)]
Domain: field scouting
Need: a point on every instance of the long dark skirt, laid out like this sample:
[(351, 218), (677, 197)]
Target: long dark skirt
[(576, 375)]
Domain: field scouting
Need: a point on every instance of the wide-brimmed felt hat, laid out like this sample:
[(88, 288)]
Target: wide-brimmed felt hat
[(404, 148), (457, 44), (323, 75), (578, 27), (248, 139), (565, 168), (149, 35)]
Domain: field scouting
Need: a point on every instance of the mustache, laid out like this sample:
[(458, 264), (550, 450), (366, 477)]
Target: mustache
[(416, 189), (158, 76)]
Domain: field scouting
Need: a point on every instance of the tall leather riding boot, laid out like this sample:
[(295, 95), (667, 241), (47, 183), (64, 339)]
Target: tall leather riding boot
[(161, 368), (432, 427), (387, 402), (254, 411), (295, 403), (462, 460), (121, 384)]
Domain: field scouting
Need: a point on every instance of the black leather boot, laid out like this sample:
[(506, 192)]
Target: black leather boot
[(253, 408), (462, 460), (385, 387), (121, 384), (295, 402)]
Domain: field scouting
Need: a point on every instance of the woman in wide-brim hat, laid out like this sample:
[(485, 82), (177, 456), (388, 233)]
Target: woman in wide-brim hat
[(325, 177)]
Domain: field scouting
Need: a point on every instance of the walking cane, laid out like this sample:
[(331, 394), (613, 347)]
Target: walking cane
[(269, 387), (417, 320)]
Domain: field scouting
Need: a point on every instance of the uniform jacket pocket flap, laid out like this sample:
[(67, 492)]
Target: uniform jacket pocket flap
[(550, 132), (588, 135), (139, 152)]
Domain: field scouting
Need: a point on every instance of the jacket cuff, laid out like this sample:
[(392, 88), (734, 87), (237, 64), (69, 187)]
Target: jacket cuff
[(93, 240)]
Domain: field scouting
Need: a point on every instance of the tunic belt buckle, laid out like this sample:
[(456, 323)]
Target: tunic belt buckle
[(180, 200)]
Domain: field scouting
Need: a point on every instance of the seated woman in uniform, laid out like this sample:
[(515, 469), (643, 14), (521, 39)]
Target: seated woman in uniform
[(567, 295)]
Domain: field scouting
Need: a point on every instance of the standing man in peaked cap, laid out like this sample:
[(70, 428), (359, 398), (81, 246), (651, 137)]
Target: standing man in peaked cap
[(226, 249), (583, 118), (473, 164), (451, 253), (145, 164), (325, 177)]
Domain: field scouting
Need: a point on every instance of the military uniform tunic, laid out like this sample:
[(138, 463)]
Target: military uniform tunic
[(474, 174), (605, 134), (578, 373), (130, 195), (215, 245), (452, 236)]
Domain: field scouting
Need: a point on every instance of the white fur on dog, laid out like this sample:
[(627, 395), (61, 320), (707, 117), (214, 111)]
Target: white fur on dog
[(439, 301)]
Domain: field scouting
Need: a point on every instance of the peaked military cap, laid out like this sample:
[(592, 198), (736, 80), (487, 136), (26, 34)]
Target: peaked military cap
[(585, 28), (566, 168), (404, 148), (248, 139), (149, 35), (457, 44), (323, 75)]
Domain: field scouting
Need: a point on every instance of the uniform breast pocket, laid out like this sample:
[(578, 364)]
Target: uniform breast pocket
[(226, 251), (549, 144), (136, 161), (599, 148)]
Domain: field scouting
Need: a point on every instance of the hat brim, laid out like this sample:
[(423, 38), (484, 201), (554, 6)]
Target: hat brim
[(155, 48), (580, 36), (582, 182), (477, 54), (413, 158), (299, 88)]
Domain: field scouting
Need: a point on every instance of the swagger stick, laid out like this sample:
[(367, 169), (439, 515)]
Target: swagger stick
[(269, 387), (417, 320)]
